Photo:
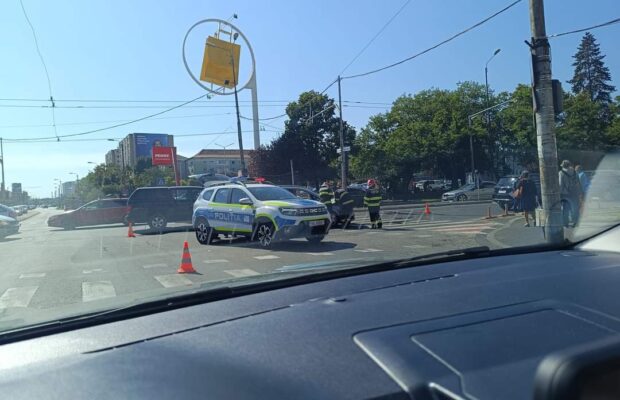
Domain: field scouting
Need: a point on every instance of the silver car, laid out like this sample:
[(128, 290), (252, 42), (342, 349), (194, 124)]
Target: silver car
[(470, 192)]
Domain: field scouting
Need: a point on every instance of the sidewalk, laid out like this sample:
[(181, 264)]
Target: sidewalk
[(515, 234)]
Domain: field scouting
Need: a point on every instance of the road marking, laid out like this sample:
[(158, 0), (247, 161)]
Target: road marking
[(415, 246), (463, 228), (98, 290), (321, 254), (32, 275), (155, 266), (90, 271), (269, 257), (215, 261), (367, 250), (17, 297), (173, 280), (240, 273)]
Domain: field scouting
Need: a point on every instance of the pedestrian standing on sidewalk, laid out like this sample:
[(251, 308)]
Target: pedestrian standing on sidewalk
[(372, 200), (571, 194), (527, 190)]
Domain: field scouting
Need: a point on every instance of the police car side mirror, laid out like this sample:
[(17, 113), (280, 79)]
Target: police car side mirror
[(246, 201)]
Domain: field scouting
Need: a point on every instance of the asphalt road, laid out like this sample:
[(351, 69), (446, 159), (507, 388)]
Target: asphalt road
[(48, 272)]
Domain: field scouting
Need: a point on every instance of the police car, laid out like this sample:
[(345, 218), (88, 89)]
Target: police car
[(262, 212)]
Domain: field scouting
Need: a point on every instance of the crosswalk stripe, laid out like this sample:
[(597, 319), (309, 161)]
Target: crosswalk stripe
[(97, 290), (90, 271), (32, 275), (268, 257), (321, 254), (173, 280), (463, 228), (367, 250), (415, 246), (155, 266), (215, 261), (240, 273), (17, 297)]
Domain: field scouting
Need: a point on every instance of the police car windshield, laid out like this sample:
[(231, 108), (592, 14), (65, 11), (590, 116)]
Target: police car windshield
[(271, 193)]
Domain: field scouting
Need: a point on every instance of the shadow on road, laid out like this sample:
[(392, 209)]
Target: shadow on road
[(86, 228), (308, 247), (173, 229), (8, 239)]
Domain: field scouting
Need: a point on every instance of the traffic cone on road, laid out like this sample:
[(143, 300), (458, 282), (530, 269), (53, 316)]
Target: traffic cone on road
[(186, 261), (427, 210), (130, 233)]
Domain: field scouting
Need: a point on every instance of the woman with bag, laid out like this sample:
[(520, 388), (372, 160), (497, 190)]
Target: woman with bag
[(526, 192)]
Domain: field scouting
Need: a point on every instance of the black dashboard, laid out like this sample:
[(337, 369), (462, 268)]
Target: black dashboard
[(468, 329)]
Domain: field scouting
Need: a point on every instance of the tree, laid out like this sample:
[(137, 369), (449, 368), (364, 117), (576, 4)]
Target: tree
[(591, 75), (310, 139)]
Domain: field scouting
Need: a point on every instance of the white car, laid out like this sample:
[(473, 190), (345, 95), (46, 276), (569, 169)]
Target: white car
[(265, 213)]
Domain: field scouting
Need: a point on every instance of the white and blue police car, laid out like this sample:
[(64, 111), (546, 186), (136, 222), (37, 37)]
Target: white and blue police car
[(262, 212)]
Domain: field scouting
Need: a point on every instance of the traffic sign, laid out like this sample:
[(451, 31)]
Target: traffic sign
[(346, 148)]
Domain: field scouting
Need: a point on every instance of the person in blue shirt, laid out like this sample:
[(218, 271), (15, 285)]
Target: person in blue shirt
[(583, 178)]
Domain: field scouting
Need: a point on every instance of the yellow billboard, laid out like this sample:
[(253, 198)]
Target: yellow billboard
[(220, 59)]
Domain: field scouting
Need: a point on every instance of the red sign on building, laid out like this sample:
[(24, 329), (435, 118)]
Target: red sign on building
[(163, 155)]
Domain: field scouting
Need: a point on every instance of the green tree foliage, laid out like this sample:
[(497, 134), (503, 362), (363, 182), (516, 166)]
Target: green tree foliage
[(310, 139), (591, 75)]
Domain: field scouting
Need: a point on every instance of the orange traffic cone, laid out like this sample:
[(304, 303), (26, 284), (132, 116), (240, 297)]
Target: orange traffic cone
[(186, 261), (130, 233), (427, 210)]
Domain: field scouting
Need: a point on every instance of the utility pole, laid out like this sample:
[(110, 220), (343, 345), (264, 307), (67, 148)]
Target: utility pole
[(343, 154), (239, 135), (292, 174), (545, 121)]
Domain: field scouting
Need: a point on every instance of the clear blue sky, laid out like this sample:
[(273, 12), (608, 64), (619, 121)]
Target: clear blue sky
[(131, 50)]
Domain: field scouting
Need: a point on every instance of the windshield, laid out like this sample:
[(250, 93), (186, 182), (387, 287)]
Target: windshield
[(416, 109), (271, 193)]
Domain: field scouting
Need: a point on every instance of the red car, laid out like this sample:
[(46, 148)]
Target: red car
[(98, 212)]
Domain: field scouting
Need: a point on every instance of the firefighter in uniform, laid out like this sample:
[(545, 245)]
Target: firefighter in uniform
[(372, 200), (326, 195), (344, 201)]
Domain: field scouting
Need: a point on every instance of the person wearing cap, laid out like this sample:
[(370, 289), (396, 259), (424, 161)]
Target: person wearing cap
[(372, 200), (527, 194)]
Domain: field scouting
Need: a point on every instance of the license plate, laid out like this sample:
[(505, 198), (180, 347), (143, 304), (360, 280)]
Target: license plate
[(501, 191), (317, 223)]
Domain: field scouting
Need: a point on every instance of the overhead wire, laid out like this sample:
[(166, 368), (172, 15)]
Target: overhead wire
[(604, 24), (375, 36), (47, 75), (443, 42)]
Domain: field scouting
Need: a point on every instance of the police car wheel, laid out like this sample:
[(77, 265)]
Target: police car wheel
[(204, 233), (264, 234), (315, 239)]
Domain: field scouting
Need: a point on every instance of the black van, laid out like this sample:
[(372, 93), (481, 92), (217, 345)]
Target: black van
[(157, 206)]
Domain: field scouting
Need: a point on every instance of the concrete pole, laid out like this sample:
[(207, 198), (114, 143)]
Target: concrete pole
[(545, 122), (343, 154)]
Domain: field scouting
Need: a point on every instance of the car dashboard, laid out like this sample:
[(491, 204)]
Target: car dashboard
[(465, 329)]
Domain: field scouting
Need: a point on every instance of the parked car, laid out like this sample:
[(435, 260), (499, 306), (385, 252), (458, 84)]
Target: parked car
[(98, 212), (502, 193), (432, 185), (210, 179), (265, 213), (8, 226), (7, 211), (157, 206), (357, 193), (484, 191), (302, 192)]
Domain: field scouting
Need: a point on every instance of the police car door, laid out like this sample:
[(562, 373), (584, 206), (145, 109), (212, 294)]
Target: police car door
[(220, 218), (242, 214)]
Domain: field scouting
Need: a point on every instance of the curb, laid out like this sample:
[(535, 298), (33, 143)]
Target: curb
[(29, 215)]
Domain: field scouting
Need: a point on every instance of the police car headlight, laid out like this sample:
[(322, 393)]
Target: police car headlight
[(288, 211)]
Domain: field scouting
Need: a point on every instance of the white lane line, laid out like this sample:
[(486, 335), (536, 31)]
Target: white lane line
[(269, 257), (215, 261), (367, 250), (155, 266), (17, 297), (32, 275), (467, 233), (90, 271), (98, 290), (321, 254), (173, 280), (240, 273), (463, 228), (415, 246)]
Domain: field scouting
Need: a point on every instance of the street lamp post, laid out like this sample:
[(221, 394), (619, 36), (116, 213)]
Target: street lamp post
[(239, 135), (487, 105)]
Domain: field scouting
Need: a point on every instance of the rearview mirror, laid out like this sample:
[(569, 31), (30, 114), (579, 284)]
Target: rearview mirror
[(589, 372), (246, 201)]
